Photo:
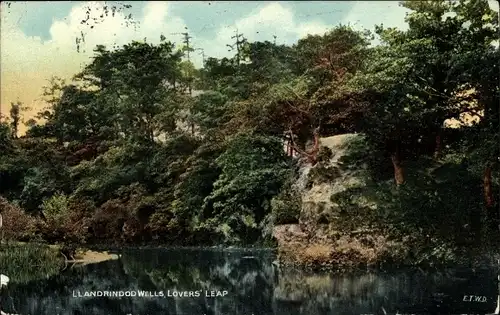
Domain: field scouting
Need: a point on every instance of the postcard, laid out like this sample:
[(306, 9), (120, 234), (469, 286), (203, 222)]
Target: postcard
[(250, 157)]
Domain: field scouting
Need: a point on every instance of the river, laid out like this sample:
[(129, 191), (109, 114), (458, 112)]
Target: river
[(245, 282)]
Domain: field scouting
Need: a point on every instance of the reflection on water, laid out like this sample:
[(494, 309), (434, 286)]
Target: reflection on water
[(253, 285)]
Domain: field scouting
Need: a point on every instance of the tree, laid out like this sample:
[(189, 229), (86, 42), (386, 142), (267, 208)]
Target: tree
[(296, 105), (253, 169), (477, 64), (52, 94), (209, 110), (15, 117), (5, 138), (140, 79), (409, 85), (268, 64)]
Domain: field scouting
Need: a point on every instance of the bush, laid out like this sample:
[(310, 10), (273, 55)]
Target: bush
[(286, 205), (325, 154), (119, 220), (17, 225), (323, 173), (56, 208), (107, 222), (65, 220)]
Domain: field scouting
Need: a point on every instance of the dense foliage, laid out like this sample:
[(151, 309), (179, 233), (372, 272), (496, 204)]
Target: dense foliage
[(125, 153)]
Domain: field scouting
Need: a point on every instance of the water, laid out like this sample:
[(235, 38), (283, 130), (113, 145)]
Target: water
[(247, 283)]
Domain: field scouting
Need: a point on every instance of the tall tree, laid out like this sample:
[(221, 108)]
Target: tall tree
[(141, 80), (15, 117)]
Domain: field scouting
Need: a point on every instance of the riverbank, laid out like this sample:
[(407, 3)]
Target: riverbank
[(21, 259), (24, 262), (87, 256), (358, 251)]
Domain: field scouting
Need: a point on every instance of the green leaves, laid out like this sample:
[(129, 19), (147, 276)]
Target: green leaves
[(56, 207), (5, 138), (253, 170), (140, 84), (209, 110), (180, 153)]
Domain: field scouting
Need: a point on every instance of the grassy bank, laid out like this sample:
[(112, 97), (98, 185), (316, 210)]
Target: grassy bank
[(23, 263)]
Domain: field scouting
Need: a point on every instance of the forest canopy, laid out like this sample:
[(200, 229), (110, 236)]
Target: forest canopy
[(141, 146)]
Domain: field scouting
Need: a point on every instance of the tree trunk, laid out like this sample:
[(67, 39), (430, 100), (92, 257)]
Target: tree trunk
[(489, 201), (398, 169), (313, 153), (437, 148), (1, 229), (488, 189)]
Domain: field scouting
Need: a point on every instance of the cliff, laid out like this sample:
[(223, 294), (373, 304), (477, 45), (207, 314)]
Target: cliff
[(331, 233)]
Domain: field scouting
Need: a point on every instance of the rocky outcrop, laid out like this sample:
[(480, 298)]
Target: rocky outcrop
[(319, 240), (328, 178)]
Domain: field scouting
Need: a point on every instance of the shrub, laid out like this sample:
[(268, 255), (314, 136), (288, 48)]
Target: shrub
[(323, 173), (325, 154), (65, 220), (17, 225), (56, 208), (286, 205), (107, 222)]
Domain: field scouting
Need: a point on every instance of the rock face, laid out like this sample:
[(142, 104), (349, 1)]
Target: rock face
[(316, 200), (315, 241)]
